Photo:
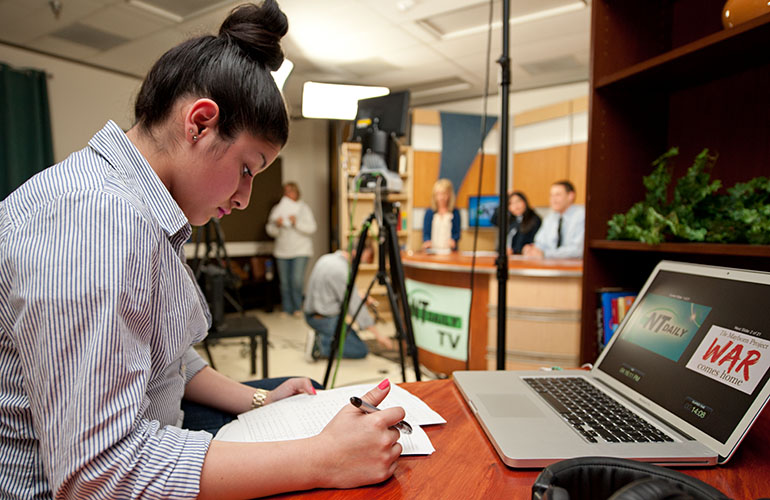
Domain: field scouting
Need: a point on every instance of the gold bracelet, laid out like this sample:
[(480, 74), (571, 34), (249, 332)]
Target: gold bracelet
[(259, 397)]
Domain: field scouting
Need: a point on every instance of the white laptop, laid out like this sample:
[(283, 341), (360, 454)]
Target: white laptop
[(690, 358)]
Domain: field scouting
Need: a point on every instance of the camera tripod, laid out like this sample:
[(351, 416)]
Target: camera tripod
[(388, 244), (213, 268)]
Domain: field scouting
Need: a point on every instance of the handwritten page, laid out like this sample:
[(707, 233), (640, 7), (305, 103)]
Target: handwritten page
[(304, 416)]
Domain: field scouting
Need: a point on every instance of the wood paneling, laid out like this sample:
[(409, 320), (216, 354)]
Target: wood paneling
[(470, 185), (487, 239), (579, 105), (542, 114), (535, 171), (578, 162), (426, 117), (426, 171), (426, 165)]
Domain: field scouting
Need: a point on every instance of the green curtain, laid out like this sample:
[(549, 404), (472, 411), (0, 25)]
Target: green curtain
[(26, 146)]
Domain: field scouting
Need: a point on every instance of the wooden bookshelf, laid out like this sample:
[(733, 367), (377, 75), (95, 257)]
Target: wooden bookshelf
[(665, 73), (355, 207)]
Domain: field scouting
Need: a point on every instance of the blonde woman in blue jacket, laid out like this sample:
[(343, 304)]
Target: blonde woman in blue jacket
[(441, 226)]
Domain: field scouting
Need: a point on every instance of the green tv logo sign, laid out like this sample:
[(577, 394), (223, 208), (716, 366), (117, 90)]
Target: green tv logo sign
[(421, 312), (440, 318)]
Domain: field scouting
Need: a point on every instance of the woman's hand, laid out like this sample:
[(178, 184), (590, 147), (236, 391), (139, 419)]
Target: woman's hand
[(426, 245), (357, 448), (290, 388)]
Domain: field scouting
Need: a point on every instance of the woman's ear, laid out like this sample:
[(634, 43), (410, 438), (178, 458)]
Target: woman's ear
[(202, 116)]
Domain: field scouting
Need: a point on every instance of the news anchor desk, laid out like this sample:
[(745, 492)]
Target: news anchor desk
[(542, 314), (465, 466)]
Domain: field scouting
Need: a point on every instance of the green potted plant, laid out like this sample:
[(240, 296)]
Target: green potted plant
[(698, 211)]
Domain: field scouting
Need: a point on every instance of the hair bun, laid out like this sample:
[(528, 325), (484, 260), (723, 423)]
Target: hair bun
[(258, 30)]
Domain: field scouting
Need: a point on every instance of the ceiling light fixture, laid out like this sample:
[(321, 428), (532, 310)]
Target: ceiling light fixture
[(534, 16), (334, 101)]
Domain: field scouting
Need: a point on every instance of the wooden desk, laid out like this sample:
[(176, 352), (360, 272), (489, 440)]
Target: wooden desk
[(465, 466)]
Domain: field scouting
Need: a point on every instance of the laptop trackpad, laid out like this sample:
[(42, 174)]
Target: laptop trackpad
[(509, 405)]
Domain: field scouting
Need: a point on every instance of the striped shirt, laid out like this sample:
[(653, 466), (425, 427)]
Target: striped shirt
[(98, 313)]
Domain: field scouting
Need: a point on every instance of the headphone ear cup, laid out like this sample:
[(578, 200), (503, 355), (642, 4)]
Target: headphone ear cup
[(592, 478), (555, 493), (650, 488)]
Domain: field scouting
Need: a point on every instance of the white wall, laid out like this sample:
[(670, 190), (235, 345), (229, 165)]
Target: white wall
[(306, 162), (81, 98), (518, 102)]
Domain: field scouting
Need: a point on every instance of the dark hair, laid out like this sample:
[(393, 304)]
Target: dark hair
[(232, 69), (567, 186), (529, 217)]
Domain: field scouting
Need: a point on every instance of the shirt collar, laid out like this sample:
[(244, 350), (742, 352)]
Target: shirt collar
[(113, 145)]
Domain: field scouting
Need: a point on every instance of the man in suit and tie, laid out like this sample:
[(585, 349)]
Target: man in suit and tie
[(563, 230)]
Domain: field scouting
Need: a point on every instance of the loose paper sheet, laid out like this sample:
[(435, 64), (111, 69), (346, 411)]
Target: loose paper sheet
[(304, 416)]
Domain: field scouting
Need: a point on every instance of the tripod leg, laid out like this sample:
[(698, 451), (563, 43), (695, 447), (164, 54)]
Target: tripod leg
[(397, 322), (397, 275), (343, 310)]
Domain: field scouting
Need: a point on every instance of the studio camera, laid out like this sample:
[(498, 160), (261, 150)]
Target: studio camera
[(380, 121)]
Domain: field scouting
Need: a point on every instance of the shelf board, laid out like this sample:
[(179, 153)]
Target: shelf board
[(727, 249), (370, 197), (353, 173), (707, 58), (400, 233)]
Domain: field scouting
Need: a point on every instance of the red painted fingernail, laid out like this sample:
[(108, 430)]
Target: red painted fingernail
[(313, 389), (384, 384)]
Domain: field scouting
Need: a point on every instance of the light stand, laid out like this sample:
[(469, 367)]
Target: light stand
[(388, 243), (502, 255)]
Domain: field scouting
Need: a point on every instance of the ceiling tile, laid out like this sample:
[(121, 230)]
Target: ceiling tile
[(125, 21), (138, 56), (40, 21), (64, 48), (88, 36)]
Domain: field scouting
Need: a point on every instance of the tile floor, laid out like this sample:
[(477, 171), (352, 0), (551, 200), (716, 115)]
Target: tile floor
[(286, 346)]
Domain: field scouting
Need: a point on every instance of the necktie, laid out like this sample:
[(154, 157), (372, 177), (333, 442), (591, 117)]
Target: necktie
[(558, 234)]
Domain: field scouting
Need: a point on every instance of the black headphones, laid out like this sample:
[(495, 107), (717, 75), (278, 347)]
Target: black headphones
[(605, 478)]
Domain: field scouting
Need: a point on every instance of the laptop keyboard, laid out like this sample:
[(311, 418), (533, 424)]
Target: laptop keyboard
[(594, 415)]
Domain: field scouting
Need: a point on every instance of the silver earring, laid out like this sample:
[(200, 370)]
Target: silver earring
[(195, 138)]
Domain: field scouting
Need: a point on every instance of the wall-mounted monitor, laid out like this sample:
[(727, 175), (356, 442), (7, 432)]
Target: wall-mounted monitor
[(481, 209)]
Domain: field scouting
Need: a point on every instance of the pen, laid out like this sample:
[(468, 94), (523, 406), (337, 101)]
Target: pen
[(365, 407)]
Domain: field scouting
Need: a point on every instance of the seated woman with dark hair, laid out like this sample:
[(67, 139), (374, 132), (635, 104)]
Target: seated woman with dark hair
[(523, 223)]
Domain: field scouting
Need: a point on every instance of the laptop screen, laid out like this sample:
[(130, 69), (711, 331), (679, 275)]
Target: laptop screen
[(698, 346)]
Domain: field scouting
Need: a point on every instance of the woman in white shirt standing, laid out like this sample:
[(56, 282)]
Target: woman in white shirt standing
[(292, 224)]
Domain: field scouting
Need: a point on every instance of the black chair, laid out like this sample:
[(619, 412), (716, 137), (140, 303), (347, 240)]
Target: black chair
[(213, 280), (241, 326)]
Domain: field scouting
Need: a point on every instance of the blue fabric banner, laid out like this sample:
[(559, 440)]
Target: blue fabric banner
[(460, 142)]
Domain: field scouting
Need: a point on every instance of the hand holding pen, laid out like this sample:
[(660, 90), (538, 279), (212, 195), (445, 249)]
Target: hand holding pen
[(365, 407)]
